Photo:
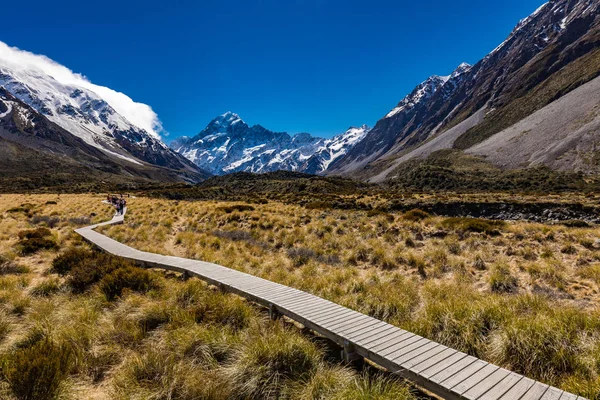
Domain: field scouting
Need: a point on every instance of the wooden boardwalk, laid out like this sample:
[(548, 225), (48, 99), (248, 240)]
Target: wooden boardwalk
[(446, 372)]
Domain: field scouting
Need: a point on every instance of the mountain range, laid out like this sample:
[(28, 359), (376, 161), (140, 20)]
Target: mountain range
[(534, 101), (518, 107), (229, 145)]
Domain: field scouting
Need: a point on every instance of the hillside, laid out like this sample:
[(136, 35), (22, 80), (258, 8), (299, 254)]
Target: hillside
[(37, 153), (548, 55)]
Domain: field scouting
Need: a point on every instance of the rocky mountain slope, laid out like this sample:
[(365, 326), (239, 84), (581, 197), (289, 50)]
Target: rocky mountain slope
[(88, 111), (36, 152), (548, 54), (229, 145)]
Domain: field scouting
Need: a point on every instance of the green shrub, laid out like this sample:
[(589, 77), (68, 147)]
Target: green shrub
[(37, 372), (576, 223), (73, 256), (415, 215), (31, 241), (38, 233), (236, 207), (128, 278), (476, 225)]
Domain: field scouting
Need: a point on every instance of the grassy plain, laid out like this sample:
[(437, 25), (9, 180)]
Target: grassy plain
[(522, 295), (78, 324)]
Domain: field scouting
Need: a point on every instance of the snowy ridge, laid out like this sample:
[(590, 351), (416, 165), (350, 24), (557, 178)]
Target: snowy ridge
[(75, 109), (86, 110), (426, 89), (229, 145)]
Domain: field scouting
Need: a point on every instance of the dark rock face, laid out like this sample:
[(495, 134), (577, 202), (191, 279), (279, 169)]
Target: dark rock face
[(555, 35)]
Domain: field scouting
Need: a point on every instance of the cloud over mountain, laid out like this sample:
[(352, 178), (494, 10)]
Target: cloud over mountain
[(138, 114)]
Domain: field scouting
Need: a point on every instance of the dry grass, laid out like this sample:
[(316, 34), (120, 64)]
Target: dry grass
[(90, 326), (471, 284)]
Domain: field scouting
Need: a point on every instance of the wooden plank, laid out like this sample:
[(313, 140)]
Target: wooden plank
[(413, 339), (535, 392), (475, 392), (428, 355), (443, 359), (330, 315), (403, 359), (368, 327), (376, 328), (554, 394), (445, 369), (397, 355), (355, 318), (567, 396), (383, 342), (506, 385), (468, 377), (346, 321)]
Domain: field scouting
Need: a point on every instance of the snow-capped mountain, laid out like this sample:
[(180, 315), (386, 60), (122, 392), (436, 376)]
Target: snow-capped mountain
[(69, 100), (520, 76), (229, 145), (36, 152)]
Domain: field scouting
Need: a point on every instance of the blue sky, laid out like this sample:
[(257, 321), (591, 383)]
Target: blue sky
[(315, 66)]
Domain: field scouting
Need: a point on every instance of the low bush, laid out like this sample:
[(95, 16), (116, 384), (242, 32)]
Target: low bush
[(236, 207), (378, 212), (38, 233), (72, 257), (32, 241), (576, 223), (224, 310), (475, 225), (130, 278), (318, 205), (415, 215), (545, 345), (80, 221), (377, 387), (37, 372), (84, 268)]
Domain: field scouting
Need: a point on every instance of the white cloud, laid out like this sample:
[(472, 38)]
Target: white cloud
[(138, 114)]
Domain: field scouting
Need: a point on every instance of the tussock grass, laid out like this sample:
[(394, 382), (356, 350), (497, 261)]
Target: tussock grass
[(425, 276)]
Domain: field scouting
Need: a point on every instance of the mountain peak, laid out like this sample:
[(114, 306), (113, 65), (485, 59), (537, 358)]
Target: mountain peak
[(461, 69), (229, 118)]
